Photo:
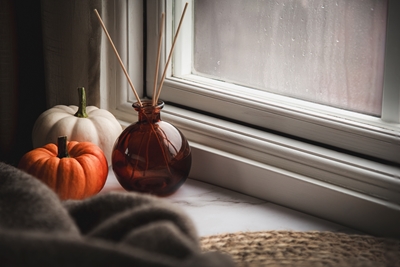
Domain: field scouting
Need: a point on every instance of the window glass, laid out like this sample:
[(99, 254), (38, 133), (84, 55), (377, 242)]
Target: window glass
[(324, 51)]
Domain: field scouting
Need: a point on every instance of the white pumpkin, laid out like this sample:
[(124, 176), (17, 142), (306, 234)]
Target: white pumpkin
[(99, 126)]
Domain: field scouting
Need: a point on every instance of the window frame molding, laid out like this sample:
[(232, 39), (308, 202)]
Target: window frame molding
[(124, 22), (391, 95), (345, 189), (352, 191)]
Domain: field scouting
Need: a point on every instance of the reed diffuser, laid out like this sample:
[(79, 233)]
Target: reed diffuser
[(151, 155)]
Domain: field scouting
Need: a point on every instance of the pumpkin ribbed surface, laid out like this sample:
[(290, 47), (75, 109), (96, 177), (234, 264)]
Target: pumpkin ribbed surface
[(78, 176), (80, 123), (100, 127)]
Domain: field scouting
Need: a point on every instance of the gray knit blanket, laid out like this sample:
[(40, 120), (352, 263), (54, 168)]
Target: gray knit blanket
[(110, 229)]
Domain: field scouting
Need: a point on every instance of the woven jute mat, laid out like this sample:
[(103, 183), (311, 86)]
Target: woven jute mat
[(289, 248)]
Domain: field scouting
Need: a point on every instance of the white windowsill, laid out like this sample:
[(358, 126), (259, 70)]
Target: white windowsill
[(340, 188), (214, 210)]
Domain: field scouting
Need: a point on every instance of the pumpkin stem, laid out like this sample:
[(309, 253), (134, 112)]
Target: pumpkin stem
[(81, 113), (62, 147)]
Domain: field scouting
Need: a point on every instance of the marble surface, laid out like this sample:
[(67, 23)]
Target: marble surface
[(215, 210)]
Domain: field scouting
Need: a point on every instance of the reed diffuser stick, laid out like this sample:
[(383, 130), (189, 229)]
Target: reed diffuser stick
[(170, 54), (119, 58), (158, 59)]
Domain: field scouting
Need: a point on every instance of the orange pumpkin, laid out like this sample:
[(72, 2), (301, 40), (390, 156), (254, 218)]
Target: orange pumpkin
[(74, 170)]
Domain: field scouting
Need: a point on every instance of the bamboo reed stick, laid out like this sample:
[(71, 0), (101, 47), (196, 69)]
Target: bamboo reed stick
[(158, 59), (119, 58), (170, 54)]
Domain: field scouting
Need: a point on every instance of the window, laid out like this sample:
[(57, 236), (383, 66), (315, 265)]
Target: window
[(323, 124), (327, 52), (291, 151)]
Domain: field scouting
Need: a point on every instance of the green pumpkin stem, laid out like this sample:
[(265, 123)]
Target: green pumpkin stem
[(62, 147), (81, 113)]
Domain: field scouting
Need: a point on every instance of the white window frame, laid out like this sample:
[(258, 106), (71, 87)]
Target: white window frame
[(124, 22), (344, 188), (322, 124)]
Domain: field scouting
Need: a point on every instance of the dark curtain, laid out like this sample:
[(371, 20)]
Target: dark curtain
[(48, 48), (22, 79), (71, 44)]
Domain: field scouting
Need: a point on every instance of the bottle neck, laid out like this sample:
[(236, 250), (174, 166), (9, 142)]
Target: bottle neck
[(147, 113)]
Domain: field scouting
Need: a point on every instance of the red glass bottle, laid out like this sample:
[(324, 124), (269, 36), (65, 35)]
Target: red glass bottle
[(151, 155)]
